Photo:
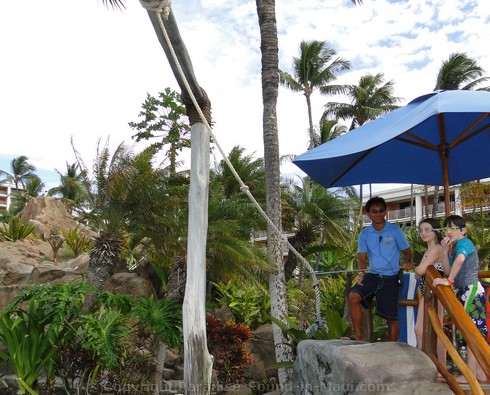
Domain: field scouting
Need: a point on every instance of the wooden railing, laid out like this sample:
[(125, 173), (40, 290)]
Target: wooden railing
[(433, 330)]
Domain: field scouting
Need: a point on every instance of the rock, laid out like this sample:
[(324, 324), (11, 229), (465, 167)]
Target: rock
[(339, 366), (27, 252), (263, 353), (129, 284), (49, 216)]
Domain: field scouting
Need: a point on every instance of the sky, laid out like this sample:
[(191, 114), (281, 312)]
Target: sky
[(79, 71)]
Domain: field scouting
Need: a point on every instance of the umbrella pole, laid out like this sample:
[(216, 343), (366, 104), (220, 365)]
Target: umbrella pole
[(447, 202)]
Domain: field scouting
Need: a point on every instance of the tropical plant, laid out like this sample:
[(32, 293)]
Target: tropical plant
[(369, 99), (73, 186), (103, 336), (248, 303), (270, 86), (164, 118), (314, 214), (56, 241), (227, 343), (15, 229), (163, 316), (29, 350), (328, 130), (332, 295), (315, 69), (21, 171), (33, 334), (76, 240), (460, 71), (126, 201)]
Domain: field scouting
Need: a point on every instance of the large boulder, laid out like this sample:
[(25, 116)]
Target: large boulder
[(343, 366), (49, 216)]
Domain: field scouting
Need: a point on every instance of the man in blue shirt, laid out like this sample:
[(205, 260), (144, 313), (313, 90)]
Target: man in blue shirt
[(379, 245)]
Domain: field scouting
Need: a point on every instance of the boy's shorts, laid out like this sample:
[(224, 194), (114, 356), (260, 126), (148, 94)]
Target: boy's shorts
[(385, 289)]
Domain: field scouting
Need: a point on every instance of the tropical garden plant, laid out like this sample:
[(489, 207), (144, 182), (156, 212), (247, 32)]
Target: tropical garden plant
[(76, 240), (44, 328), (15, 229)]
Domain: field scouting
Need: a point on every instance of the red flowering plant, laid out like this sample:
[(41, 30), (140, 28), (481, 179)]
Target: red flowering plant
[(226, 342)]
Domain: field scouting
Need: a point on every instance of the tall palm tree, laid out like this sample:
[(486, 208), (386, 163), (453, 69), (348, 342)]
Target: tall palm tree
[(20, 171), (371, 98), (461, 72), (315, 69), (270, 86), (34, 187)]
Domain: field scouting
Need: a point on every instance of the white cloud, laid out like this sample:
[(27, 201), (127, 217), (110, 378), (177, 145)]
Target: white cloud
[(78, 69)]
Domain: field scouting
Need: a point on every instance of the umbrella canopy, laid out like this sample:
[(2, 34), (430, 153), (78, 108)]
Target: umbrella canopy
[(442, 138)]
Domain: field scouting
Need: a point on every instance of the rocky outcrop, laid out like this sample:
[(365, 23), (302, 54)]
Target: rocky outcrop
[(49, 216), (353, 367)]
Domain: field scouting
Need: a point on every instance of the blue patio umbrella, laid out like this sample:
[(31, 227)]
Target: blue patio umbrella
[(442, 138)]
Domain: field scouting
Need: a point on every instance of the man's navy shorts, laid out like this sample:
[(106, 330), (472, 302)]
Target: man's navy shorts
[(385, 289)]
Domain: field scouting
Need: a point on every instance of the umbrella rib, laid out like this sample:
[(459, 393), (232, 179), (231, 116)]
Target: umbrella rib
[(465, 136), (354, 164), (416, 141)]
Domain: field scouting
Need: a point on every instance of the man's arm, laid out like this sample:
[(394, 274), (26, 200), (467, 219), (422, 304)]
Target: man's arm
[(362, 260)]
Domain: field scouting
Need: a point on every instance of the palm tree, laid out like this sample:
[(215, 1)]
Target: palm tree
[(34, 187), (461, 72), (21, 171), (270, 86), (124, 203), (371, 98), (368, 100), (250, 170), (73, 185), (314, 69), (313, 213), (329, 129)]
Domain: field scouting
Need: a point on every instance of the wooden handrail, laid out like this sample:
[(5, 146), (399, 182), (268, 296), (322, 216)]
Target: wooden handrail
[(453, 353), (484, 274), (473, 338)]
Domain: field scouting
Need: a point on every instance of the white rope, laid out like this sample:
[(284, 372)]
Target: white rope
[(319, 323)]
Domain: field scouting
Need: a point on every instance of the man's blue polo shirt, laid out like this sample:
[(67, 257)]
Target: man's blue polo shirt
[(383, 248)]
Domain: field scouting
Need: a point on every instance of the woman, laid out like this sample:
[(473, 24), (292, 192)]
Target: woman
[(431, 233)]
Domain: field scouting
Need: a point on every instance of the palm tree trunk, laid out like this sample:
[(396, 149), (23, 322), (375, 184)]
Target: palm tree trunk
[(270, 85), (310, 120), (435, 202)]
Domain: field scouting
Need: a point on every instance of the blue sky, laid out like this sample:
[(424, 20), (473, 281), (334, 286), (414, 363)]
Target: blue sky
[(74, 69)]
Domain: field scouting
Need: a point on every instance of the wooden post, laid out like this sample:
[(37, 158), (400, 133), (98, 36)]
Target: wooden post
[(198, 362)]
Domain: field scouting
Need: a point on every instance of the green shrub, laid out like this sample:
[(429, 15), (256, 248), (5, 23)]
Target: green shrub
[(29, 350), (77, 241), (332, 294), (16, 229), (248, 303)]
